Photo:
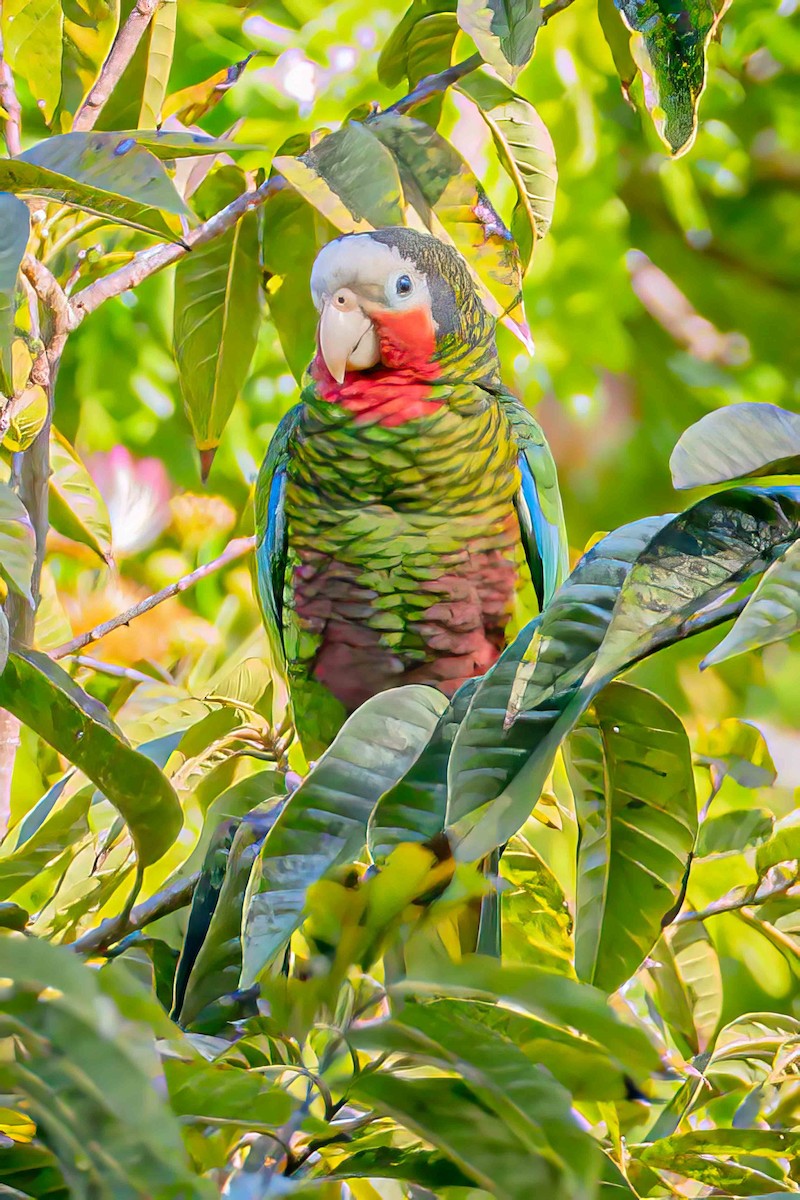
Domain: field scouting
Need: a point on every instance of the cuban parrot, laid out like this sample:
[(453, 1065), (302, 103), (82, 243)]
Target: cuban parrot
[(408, 498)]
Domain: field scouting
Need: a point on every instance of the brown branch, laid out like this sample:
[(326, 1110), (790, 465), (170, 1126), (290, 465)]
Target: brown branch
[(121, 53), (10, 102), (555, 6), (176, 895), (235, 549), (742, 899), (433, 85)]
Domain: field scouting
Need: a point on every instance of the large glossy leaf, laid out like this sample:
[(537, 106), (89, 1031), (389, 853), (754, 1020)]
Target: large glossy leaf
[(427, 1168), (526, 151), (107, 174), (503, 30), (737, 442), (17, 543), (669, 47), (563, 1159), (414, 809), (772, 613), (685, 982), (526, 702), (87, 35), (536, 922), (77, 510), (159, 62), (324, 822), (630, 769), (217, 313), (43, 696), (15, 224), (85, 1065), (32, 32)]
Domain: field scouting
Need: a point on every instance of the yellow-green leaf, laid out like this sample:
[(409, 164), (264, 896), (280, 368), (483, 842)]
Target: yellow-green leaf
[(32, 33), (89, 28), (14, 229), (77, 510), (159, 63), (17, 543)]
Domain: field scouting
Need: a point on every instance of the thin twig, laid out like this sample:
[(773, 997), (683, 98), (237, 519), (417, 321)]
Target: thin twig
[(121, 54), (235, 549), (112, 669), (555, 6), (744, 899), (433, 85), (10, 102), (176, 895)]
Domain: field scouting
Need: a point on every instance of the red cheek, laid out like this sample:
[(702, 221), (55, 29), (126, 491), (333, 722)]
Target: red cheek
[(407, 339)]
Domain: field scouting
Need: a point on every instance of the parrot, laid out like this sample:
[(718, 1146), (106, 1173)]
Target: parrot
[(409, 499)]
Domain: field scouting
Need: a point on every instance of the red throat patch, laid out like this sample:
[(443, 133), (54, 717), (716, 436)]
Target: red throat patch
[(399, 390)]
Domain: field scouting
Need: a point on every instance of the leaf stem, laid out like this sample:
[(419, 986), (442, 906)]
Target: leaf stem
[(234, 550), (10, 102), (121, 53), (113, 929)]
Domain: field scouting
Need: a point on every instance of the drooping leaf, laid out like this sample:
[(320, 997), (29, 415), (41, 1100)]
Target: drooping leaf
[(740, 441), (734, 832), (32, 32), (783, 845), (526, 151), (88, 31), (503, 30), (102, 173), (738, 749), (43, 696), (618, 38), (324, 822), (77, 510), (15, 224), (630, 769), (669, 48), (536, 922), (159, 62), (217, 313), (772, 613), (17, 543), (414, 809), (33, 1171), (685, 982), (191, 104)]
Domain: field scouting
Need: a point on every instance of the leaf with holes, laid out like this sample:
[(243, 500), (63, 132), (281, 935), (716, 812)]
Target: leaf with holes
[(503, 30), (217, 308), (324, 822), (77, 510), (737, 442), (630, 769), (772, 613), (15, 225)]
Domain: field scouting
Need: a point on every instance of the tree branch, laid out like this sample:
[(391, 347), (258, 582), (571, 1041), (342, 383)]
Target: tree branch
[(113, 929), (554, 7), (121, 53), (235, 549), (742, 898), (10, 102), (433, 85)]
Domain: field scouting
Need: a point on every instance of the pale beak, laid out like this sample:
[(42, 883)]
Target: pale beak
[(347, 337)]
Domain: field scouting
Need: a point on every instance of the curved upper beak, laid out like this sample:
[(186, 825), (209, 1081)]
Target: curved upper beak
[(347, 337)]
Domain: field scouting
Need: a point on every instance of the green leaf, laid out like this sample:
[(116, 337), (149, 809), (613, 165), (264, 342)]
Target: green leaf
[(217, 309), (426, 1168), (77, 510), (685, 982), (630, 769), (563, 1159), (324, 822), (159, 62), (734, 832), (33, 1171), (15, 225), (529, 700), (32, 31), (170, 144), (17, 543), (536, 922), (503, 30), (526, 151), (62, 829), (746, 1050), (88, 32), (740, 441), (102, 173), (414, 809), (700, 1155), (43, 696), (669, 48), (619, 42), (738, 749), (224, 1093), (772, 614), (421, 45), (4, 640), (783, 845)]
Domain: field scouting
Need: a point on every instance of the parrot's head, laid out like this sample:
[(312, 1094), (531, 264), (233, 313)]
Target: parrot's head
[(394, 298)]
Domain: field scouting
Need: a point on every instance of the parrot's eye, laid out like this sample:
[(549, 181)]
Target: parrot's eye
[(403, 286)]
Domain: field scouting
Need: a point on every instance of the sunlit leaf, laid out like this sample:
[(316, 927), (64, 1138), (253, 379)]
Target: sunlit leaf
[(735, 442), (772, 613), (686, 984), (62, 828), (421, 45), (618, 38), (87, 35), (217, 313), (77, 510), (536, 922), (738, 749), (503, 30), (526, 151), (324, 822), (173, 143), (734, 832), (669, 47), (43, 696), (17, 543), (191, 104), (14, 228), (105, 174), (32, 32), (159, 61), (701, 1155), (783, 845)]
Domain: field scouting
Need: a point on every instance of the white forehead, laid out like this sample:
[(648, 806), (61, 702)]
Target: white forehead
[(356, 261)]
